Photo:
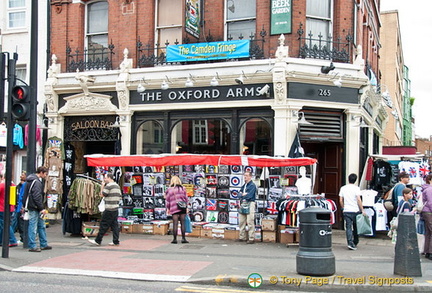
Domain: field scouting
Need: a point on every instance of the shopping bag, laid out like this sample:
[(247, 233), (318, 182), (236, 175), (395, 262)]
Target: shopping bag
[(101, 205), (26, 216), (363, 225), (244, 208), (188, 224)]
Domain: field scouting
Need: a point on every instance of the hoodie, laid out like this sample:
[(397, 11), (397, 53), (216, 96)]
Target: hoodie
[(427, 197), (34, 192)]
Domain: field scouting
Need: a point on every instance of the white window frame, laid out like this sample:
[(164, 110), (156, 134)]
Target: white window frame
[(327, 19), (227, 21), (15, 10), (21, 73), (158, 27), (87, 35), (202, 128)]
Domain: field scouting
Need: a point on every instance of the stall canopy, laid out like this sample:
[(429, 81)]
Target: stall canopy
[(97, 160)]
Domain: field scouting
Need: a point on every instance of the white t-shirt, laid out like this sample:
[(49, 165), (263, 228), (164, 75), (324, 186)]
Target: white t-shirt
[(349, 193)]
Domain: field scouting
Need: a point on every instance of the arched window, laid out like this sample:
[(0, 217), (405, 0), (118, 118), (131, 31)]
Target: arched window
[(150, 138), (255, 138)]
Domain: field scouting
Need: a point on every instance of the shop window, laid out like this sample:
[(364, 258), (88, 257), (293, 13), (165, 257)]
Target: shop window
[(21, 74), (240, 18), (150, 138), (169, 21), (16, 13), (97, 30), (255, 138), (319, 20), (209, 136)]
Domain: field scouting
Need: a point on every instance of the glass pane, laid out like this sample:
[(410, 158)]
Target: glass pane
[(16, 3), (240, 9), (191, 136), (255, 138), (318, 27), (170, 13), (97, 17), (149, 138), (16, 19), (98, 42), (318, 8), (243, 28), (170, 35)]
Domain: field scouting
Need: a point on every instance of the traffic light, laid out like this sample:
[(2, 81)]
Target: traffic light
[(21, 102)]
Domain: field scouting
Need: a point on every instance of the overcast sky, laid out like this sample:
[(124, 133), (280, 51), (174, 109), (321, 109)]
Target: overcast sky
[(416, 31)]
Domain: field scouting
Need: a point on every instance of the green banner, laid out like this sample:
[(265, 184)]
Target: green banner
[(281, 17)]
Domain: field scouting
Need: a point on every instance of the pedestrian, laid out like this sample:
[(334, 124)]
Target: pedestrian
[(247, 196), (112, 195), (351, 205), (17, 219), (12, 239), (404, 179), (426, 213), (34, 197), (405, 204), (176, 193)]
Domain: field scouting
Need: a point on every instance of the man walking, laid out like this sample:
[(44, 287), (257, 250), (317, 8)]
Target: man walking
[(351, 204), (34, 197), (112, 195), (248, 194)]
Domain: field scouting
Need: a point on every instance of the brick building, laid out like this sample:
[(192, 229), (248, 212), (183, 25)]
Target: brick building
[(220, 76)]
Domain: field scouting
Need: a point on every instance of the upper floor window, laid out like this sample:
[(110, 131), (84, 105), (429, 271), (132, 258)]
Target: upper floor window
[(169, 21), (16, 14), (240, 18), (97, 25), (319, 19)]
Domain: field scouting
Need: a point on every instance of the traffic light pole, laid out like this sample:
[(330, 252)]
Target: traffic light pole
[(9, 154)]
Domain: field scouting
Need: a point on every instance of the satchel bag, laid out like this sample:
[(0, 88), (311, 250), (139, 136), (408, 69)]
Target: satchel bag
[(244, 208), (388, 200), (26, 215), (181, 205)]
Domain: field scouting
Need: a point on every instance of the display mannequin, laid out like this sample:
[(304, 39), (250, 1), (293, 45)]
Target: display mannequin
[(303, 184)]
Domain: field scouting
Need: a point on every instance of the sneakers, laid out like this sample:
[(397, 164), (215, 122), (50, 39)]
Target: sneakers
[(13, 245), (250, 242), (352, 247), (113, 244), (46, 248), (35, 249), (93, 242)]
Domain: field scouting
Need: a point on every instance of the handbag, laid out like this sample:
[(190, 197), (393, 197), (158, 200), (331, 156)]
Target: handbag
[(181, 204), (188, 224), (363, 225), (244, 208)]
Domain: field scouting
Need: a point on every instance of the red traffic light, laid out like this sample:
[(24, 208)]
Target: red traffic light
[(20, 93)]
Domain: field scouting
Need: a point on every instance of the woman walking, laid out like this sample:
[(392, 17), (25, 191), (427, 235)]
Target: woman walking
[(176, 199)]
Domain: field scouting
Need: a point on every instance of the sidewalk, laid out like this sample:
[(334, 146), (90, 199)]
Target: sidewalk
[(218, 261)]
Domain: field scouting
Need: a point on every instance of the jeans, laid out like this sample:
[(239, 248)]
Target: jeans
[(36, 226), (109, 220), (17, 223), (12, 239), (351, 228)]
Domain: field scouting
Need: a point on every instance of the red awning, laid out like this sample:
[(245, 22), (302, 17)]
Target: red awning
[(192, 159)]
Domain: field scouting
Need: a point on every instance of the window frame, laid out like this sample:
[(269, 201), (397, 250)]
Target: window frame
[(227, 21), (160, 28), (202, 138), (87, 34), (16, 10), (328, 19)]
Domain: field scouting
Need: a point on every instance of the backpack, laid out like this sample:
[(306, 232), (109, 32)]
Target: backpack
[(388, 200)]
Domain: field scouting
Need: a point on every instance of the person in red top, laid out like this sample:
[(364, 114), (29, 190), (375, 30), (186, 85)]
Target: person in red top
[(12, 240), (175, 193)]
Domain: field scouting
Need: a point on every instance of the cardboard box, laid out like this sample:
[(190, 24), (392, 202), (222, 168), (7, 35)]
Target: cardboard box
[(196, 232), (90, 229), (287, 235), (126, 228), (218, 233), (231, 234), (160, 229), (269, 225), (142, 228), (206, 233), (269, 236)]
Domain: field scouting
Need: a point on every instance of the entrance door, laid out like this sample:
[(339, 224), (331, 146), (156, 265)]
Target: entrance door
[(329, 172)]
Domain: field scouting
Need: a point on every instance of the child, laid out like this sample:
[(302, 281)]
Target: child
[(405, 205)]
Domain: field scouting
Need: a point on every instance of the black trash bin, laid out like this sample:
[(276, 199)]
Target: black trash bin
[(315, 256)]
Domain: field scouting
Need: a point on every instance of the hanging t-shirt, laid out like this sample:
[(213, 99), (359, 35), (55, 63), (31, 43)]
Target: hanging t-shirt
[(3, 135), (368, 197), (381, 217), (382, 174), (413, 170), (18, 137)]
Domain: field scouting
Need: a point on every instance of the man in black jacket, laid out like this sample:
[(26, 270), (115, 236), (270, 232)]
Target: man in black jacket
[(34, 200)]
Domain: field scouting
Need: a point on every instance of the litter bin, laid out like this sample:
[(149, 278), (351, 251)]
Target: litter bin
[(315, 256)]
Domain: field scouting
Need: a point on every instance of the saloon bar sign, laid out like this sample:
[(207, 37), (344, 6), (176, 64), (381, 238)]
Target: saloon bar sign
[(205, 94), (90, 128)]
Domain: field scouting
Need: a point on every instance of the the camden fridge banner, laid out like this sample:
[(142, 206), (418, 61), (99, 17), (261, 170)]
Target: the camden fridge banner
[(208, 51)]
